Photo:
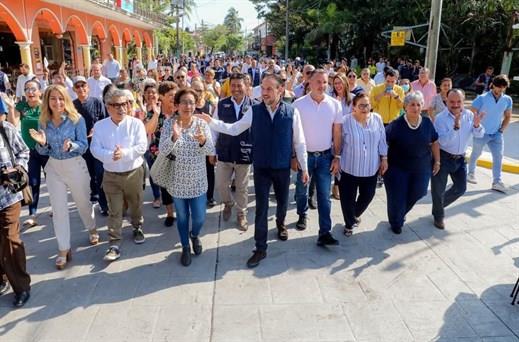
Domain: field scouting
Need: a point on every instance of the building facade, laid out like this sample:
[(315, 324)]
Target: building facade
[(44, 33), (264, 40)]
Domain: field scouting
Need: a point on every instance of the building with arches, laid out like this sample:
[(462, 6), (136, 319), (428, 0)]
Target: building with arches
[(44, 33)]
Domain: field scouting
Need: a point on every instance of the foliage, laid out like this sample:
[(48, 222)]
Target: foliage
[(167, 39), (232, 21), (226, 36)]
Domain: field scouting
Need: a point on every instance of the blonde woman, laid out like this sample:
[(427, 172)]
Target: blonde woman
[(62, 136)]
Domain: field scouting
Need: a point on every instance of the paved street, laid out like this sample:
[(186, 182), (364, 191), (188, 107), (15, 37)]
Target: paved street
[(423, 285)]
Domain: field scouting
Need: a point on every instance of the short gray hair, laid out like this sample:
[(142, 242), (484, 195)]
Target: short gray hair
[(116, 92), (414, 96)]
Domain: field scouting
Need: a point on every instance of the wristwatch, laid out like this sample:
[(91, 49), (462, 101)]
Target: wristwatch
[(338, 156)]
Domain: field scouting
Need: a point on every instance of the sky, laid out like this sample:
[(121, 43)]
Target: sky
[(213, 12)]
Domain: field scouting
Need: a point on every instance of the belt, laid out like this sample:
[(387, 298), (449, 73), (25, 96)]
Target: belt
[(452, 156), (319, 153), (125, 173)]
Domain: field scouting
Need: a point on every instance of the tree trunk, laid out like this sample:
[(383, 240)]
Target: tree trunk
[(472, 56)]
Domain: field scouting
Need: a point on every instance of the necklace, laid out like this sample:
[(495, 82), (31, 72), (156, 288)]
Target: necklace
[(411, 126)]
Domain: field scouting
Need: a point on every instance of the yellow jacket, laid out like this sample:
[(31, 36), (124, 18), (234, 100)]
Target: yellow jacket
[(388, 107), (225, 90)]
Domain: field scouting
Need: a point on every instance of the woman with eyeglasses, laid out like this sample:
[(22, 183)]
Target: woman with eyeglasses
[(189, 140), (364, 155), (352, 83), (62, 136), (288, 95), (26, 113), (204, 107)]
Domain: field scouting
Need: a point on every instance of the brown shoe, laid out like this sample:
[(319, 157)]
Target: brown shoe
[(243, 225), (335, 192), (227, 210), (282, 231), (439, 224)]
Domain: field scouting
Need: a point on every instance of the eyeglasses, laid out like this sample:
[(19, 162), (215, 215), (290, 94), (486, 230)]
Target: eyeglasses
[(363, 106), (118, 105), (180, 77), (31, 90), (80, 85), (352, 76), (187, 103)]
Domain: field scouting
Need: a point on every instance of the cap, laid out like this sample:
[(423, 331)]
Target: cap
[(78, 79)]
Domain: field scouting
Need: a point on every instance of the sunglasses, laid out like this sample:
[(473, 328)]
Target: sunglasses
[(118, 105), (31, 90), (181, 77), (352, 76)]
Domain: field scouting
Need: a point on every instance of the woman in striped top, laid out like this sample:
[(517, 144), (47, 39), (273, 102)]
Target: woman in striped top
[(364, 155)]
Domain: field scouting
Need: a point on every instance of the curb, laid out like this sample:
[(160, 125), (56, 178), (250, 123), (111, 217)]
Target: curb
[(509, 165)]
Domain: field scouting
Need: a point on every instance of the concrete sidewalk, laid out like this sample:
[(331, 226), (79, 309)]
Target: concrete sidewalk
[(422, 285)]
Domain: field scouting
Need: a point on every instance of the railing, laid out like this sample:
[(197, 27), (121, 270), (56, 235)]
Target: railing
[(139, 10)]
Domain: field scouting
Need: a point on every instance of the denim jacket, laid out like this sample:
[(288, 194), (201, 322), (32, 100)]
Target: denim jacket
[(56, 136)]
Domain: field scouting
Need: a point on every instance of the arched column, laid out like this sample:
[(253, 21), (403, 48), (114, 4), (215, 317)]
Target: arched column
[(25, 53)]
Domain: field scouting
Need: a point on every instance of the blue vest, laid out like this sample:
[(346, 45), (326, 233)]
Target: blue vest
[(272, 139), (233, 149)]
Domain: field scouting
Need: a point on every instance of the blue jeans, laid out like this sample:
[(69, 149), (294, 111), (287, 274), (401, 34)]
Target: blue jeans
[(263, 179), (186, 208), (36, 164), (457, 170), (154, 187), (318, 170), (496, 147), (403, 189)]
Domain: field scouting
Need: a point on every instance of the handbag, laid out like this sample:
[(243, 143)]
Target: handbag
[(17, 179), (162, 170)]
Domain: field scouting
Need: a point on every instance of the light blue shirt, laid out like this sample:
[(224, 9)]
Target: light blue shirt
[(56, 137), (456, 141), (494, 110)]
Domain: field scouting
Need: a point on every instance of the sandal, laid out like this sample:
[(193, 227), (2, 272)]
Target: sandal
[(61, 261), (93, 238), (348, 231)]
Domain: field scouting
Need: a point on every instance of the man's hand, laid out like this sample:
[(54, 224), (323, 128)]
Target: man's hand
[(383, 167), (304, 177), (206, 117), (294, 164), (212, 160), (118, 153), (477, 119)]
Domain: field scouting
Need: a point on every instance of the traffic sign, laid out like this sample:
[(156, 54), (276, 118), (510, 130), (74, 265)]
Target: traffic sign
[(398, 38)]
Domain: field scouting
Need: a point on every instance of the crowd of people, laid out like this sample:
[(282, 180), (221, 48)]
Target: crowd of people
[(201, 124)]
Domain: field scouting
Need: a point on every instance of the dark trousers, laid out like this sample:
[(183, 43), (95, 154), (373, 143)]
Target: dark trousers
[(352, 205), (403, 189), (12, 250), (36, 163), (96, 171), (457, 170), (263, 179), (210, 179)]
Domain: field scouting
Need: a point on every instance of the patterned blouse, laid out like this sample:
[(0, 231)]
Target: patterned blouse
[(189, 175)]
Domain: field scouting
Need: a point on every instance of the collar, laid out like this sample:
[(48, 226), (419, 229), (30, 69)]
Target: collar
[(275, 108), (236, 103)]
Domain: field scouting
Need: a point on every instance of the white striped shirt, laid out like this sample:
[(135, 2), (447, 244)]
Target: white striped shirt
[(362, 146)]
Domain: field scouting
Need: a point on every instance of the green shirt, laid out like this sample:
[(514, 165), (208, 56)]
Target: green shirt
[(29, 119)]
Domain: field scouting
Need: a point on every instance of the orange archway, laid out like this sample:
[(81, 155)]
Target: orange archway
[(137, 38), (147, 40), (127, 37), (99, 30), (79, 29), (50, 18), (116, 38), (13, 23)]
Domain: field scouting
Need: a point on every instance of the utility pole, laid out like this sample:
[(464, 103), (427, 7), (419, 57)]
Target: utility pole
[(182, 36), (433, 38), (286, 34), (177, 48)]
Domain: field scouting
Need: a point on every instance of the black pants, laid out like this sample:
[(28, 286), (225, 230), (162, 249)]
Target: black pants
[(352, 205), (263, 179), (210, 179)]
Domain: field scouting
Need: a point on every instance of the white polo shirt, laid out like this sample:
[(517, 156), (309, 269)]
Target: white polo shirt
[(317, 120)]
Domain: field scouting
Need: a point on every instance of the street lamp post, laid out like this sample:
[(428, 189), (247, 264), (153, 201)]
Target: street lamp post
[(286, 34), (433, 39)]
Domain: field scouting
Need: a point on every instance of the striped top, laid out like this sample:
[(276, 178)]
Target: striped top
[(362, 146)]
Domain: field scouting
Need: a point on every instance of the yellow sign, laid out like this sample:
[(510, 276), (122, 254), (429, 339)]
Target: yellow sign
[(398, 38)]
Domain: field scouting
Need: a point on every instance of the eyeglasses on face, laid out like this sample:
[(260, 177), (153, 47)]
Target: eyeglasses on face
[(31, 90), (363, 106), (187, 103), (118, 105), (182, 77), (352, 76), (80, 85)]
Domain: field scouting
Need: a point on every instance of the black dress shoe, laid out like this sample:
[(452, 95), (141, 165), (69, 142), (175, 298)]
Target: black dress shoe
[(168, 222), (185, 258), (197, 245), (282, 231), (4, 287), (327, 240), (211, 203), (21, 298), (396, 230), (311, 203), (104, 213), (301, 222), (439, 224), (255, 259)]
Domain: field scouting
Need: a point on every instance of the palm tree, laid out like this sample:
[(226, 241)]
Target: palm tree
[(232, 21)]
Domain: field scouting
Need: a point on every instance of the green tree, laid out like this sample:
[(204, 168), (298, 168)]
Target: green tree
[(214, 38), (232, 21)]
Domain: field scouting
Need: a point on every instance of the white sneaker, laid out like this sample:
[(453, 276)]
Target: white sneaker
[(499, 186), (471, 178)]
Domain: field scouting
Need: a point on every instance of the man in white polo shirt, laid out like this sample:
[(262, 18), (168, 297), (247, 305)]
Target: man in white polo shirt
[(97, 82), (321, 117)]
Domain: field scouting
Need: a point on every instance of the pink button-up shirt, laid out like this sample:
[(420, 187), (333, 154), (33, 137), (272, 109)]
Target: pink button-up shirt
[(428, 91)]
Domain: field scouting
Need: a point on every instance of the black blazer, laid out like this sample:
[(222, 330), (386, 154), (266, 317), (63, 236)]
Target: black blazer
[(257, 77)]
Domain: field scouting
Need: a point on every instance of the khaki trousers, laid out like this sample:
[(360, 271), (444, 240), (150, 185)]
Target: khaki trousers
[(120, 186), (224, 173)]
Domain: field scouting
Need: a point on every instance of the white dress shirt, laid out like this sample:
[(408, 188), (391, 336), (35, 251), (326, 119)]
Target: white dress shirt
[(97, 85), (20, 84), (317, 120), (111, 68), (245, 122), (456, 141), (130, 135)]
